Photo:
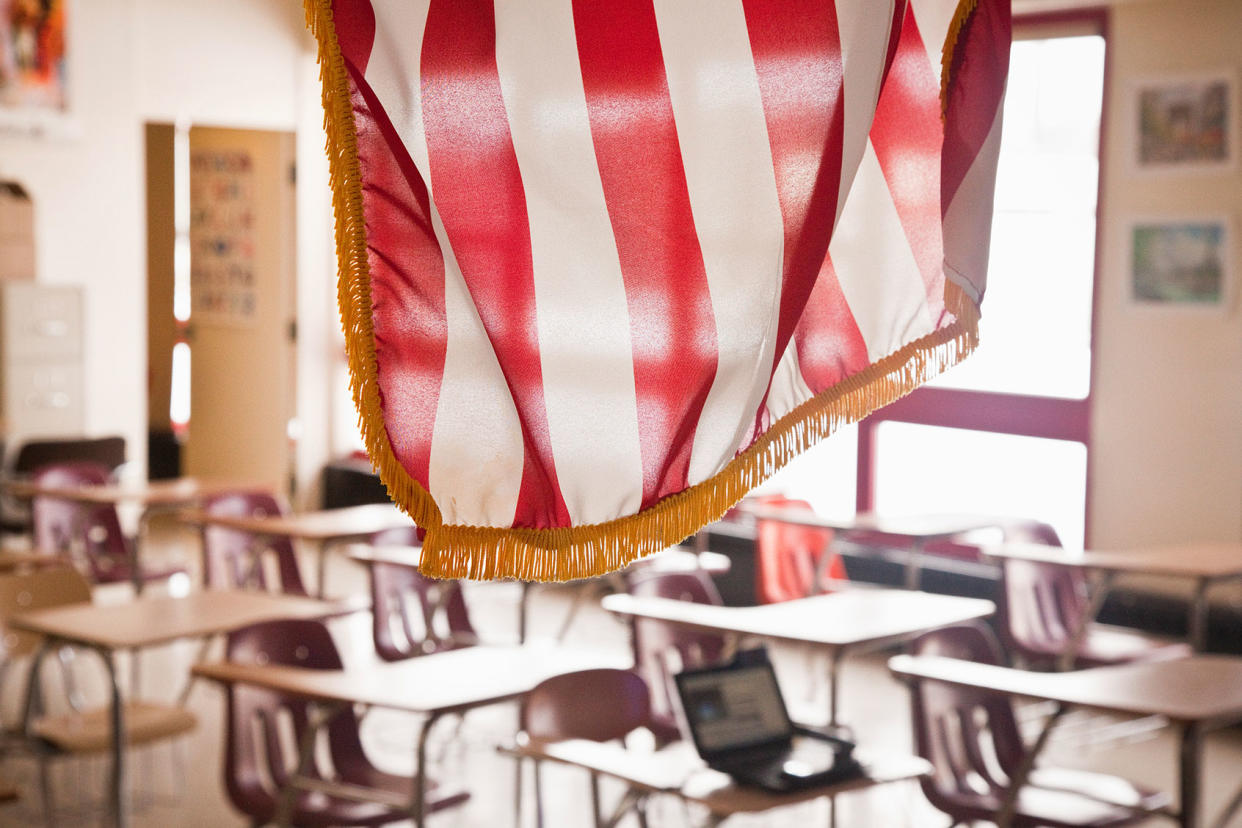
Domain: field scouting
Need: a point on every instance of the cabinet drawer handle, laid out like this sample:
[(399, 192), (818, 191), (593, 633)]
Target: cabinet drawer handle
[(55, 399), (52, 327)]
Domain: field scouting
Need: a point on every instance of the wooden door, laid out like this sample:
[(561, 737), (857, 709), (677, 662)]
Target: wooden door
[(242, 323)]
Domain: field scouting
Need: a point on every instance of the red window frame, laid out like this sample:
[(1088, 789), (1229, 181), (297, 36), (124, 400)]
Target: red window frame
[(1016, 414)]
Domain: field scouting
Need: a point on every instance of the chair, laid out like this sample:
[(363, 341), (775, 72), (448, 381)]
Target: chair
[(972, 740), (443, 618), (78, 731), (596, 705), (258, 753), (1044, 603), (232, 557), (34, 454), (788, 557), (88, 534), (656, 643)]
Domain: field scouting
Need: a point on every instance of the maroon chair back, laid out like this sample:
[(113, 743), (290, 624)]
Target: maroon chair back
[(1043, 603), (259, 755), (660, 648), (957, 729), (229, 555), (441, 622), (90, 535), (600, 705)]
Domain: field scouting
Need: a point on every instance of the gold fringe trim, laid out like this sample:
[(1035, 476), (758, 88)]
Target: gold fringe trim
[(354, 278), (965, 8), (561, 554)]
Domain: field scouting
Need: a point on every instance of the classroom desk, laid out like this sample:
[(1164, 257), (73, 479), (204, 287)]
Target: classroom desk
[(839, 622), (324, 528), (434, 685), (678, 771), (152, 496), (1196, 694), (146, 622), (911, 532), (673, 559), (1206, 564)]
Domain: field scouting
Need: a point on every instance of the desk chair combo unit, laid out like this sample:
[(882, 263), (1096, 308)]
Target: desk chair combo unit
[(51, 731), (952, 671), (89, 533), (35, 454)]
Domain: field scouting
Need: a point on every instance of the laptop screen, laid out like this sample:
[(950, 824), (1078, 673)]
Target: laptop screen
[(734, 707)]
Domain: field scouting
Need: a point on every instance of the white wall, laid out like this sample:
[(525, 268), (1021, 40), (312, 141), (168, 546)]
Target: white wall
[(1167, 418), (236, 63)]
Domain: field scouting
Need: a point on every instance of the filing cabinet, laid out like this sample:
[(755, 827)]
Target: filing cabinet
[(41, 358)]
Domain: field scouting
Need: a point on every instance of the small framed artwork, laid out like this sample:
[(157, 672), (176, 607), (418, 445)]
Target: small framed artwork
[(1180, 262), (1184, 122), (34, 88)]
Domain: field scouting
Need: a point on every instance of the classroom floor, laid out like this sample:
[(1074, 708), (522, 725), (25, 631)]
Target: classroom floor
[(180, 784)]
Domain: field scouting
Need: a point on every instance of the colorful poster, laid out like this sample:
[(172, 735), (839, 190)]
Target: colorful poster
[(222, 255)]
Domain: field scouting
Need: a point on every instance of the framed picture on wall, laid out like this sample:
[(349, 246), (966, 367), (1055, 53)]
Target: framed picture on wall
[(1184, 122), (34, 88), (1180, 262)]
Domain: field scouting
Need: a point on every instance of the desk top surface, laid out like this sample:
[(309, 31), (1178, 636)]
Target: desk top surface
[(1203, 688), (1190, 560), (840, 619), (439, 683), (326, 524), (172, 492), (147, 621), (678, 769)]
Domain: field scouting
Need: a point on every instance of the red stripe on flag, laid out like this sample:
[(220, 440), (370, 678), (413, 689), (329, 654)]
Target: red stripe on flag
[(407, 282), (980, 66), (672, 326), (907, 135), (797, 52), (354, 21), (480, 197), (830, 346)]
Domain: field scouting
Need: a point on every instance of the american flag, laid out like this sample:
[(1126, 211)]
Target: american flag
[(605, 266)]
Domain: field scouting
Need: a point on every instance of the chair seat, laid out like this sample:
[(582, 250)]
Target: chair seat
[(91, 731), (314, 808), (1065, 798), (1105, 645)]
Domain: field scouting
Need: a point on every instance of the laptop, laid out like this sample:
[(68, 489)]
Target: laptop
[(738, 721)]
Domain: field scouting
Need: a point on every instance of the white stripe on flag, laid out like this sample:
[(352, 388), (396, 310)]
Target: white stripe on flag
[(875, 266), (582, 316), (789, 390), (967, 222), (864, 30), (728, 161), (476, 451), (933, 17)]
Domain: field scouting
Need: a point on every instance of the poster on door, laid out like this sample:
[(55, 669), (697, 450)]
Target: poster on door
[(222, 255)]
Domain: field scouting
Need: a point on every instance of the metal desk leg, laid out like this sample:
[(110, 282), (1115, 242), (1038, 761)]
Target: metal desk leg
[(419, 809), (1102, 583), (913, 565), (306, 753), (117, 794), (1189, 755), (834, 675), (1198, 622), (321, 570), (1010, 806), (523, 606)]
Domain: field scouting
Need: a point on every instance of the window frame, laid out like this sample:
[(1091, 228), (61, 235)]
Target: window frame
[(1006, 413)]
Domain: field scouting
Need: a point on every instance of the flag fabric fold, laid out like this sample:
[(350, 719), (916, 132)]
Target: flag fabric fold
[(604, 267)]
